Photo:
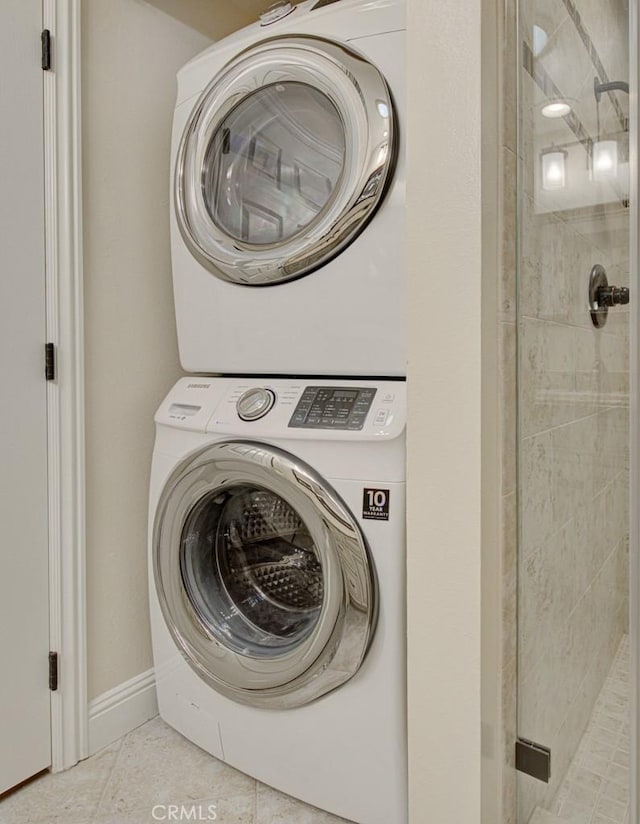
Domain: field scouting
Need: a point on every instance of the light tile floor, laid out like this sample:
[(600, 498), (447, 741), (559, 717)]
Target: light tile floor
[(596, 787), (153, 765)]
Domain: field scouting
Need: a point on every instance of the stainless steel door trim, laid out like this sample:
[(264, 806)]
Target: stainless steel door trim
[(338, 643), (361, 96)]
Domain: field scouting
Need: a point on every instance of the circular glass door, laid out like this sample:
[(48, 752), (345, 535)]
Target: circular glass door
[(284, 160), (274, 164), (263, 576), (251, 571)]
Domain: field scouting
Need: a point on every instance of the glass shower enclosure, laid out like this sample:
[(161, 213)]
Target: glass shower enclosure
[(573, 338)]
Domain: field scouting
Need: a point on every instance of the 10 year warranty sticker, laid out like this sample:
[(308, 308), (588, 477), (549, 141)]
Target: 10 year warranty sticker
[(375, 504)]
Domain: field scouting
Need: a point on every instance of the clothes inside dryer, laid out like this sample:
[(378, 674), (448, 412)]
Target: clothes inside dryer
[(250, 569)]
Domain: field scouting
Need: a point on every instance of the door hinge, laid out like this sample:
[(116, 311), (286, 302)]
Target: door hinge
[(45, 39), (50, 361), (53, 671), (533, 759)]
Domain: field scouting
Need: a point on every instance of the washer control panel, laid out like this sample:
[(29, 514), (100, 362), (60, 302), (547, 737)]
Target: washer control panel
[(333, 407), (255, 403), (287, 408)]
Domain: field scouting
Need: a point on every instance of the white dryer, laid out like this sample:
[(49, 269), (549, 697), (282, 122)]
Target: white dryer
[(277, 584), (288, 179)]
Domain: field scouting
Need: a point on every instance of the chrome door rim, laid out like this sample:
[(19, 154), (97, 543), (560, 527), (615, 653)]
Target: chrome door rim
[(338, 643), (360, 94)]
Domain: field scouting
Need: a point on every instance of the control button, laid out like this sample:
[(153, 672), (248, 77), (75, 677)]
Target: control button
[(381, 417), (388, 397), (255, 403), (275, 12)]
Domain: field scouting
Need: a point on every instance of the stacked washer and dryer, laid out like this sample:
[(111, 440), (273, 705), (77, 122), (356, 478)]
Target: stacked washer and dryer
[(277, 504)]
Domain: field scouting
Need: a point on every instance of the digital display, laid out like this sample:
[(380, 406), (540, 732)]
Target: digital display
[(344, 395)]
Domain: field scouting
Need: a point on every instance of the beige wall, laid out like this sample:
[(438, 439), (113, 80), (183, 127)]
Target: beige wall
[(214, 18), (130, 55), (444, 429)]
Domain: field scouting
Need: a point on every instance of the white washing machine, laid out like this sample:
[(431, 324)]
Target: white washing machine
[(288, 176), (277, 584)]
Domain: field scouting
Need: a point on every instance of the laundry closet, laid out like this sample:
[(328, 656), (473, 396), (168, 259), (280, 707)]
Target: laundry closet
[(132, 51)]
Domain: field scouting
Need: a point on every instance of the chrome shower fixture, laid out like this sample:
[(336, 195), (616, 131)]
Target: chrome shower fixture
[(615, 86)]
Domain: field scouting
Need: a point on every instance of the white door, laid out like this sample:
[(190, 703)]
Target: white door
[(25, 737)]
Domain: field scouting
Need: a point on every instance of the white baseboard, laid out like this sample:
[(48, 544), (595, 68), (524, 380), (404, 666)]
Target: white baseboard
[(121, 709)]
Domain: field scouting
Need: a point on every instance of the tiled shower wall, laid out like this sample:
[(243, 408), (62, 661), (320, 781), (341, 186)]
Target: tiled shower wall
[(572, 398)]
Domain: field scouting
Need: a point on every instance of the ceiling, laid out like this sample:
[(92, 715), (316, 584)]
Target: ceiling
[(253, 7), (213, 18)]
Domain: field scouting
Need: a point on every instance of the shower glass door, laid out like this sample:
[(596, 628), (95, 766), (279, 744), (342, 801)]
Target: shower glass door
[(573, 411)]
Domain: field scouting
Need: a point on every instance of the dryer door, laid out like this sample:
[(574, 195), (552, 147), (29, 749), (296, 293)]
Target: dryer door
[(284, 160), (263, 576)]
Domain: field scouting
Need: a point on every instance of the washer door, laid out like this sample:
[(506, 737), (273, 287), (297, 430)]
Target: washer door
[(284, 160), (263, 576)]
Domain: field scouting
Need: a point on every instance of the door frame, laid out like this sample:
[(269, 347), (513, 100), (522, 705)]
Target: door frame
[(65, 394)]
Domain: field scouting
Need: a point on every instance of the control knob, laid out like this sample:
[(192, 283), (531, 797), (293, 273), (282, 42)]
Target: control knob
[(255, 403), (275, 12)]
